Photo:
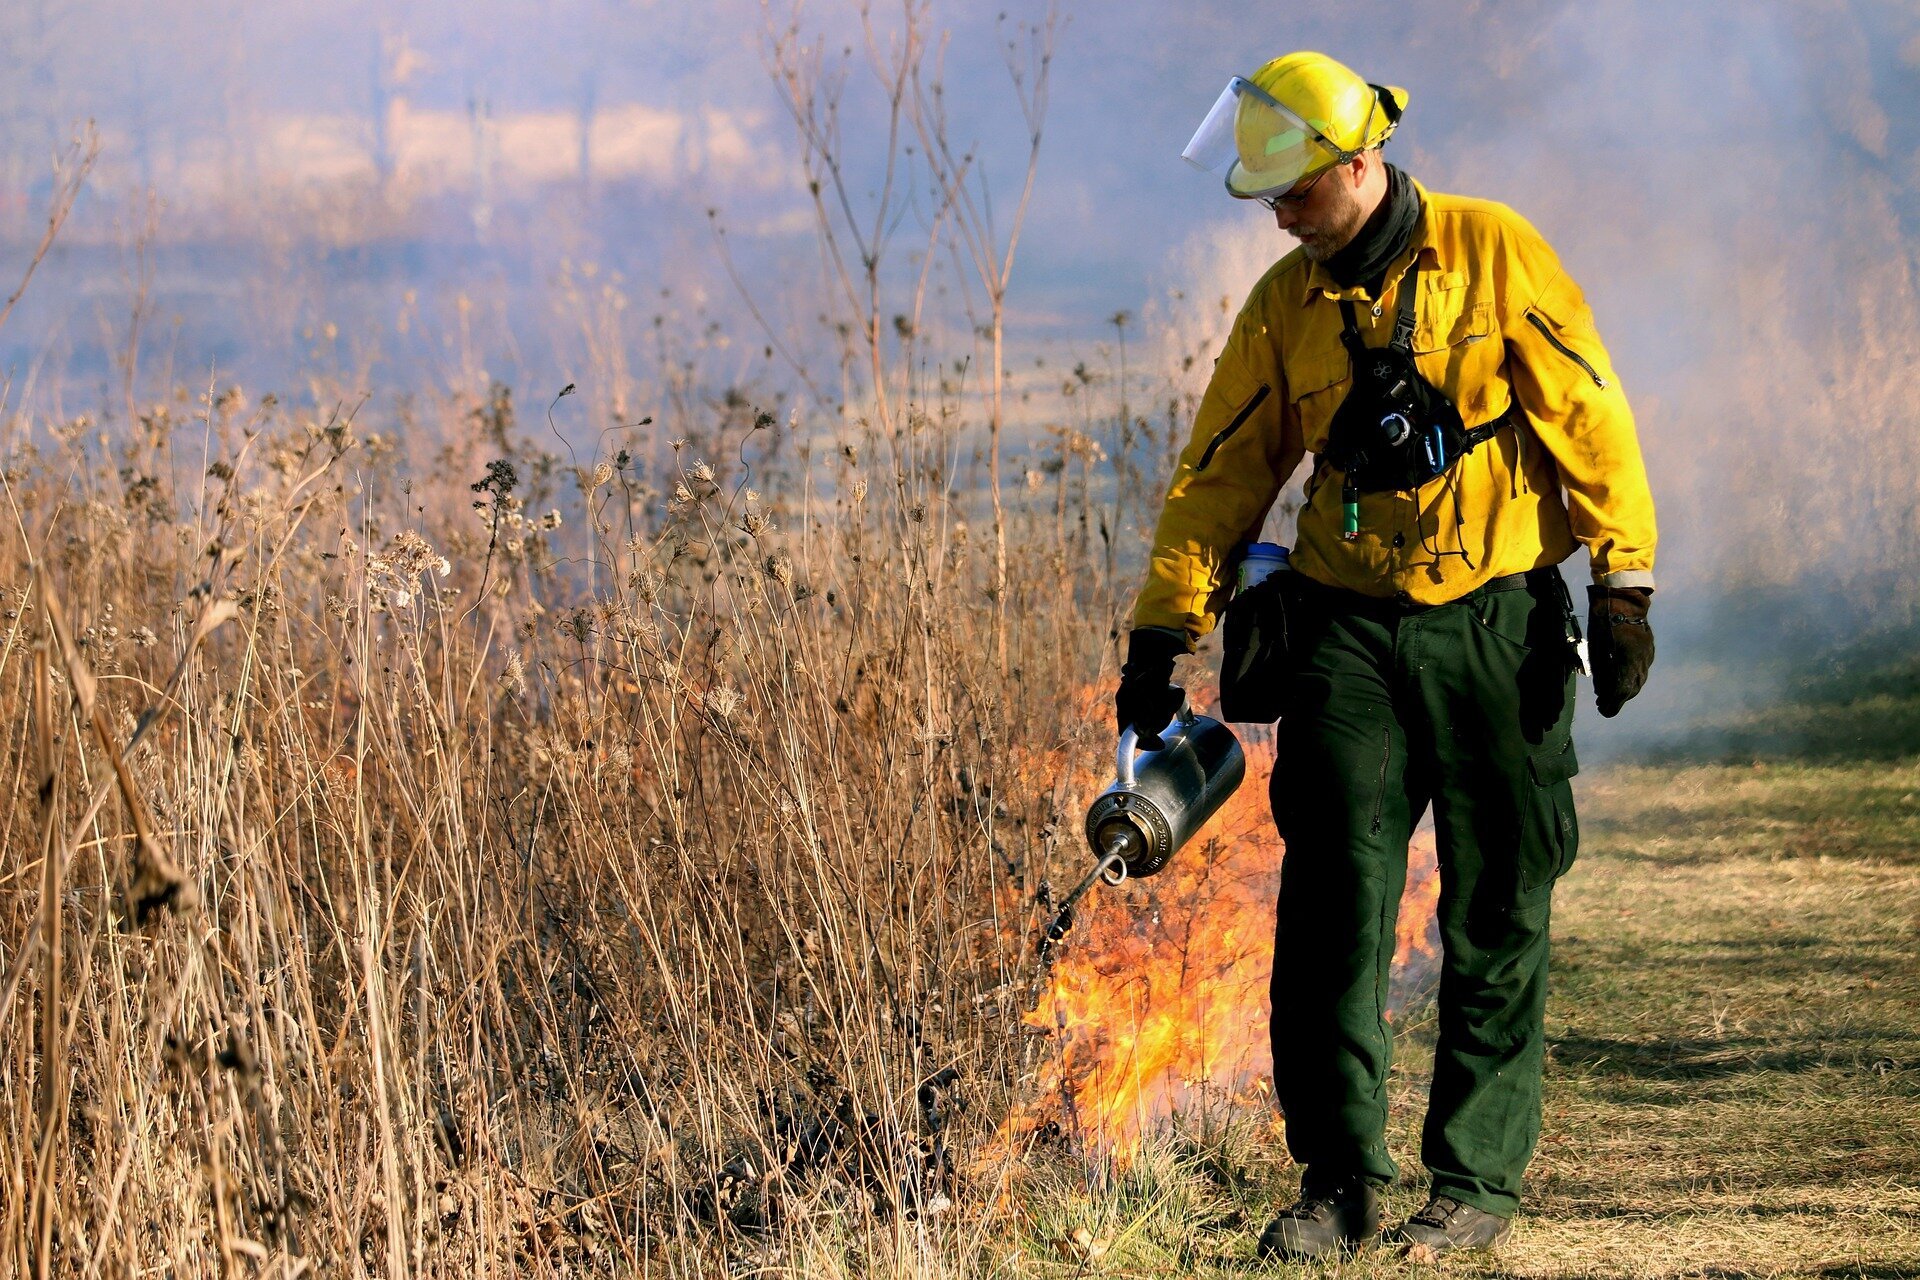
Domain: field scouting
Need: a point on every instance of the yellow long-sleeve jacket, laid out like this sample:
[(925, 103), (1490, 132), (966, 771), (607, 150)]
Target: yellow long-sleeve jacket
[(1497, 323)]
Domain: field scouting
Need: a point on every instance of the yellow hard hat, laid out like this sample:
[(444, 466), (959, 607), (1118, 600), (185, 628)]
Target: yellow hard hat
[(1295, 116)]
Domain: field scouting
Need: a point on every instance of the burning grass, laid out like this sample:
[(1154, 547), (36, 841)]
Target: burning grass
[(1159, 1003)]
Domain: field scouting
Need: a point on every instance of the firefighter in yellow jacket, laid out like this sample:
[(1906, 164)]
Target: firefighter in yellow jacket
[(1466, 430)]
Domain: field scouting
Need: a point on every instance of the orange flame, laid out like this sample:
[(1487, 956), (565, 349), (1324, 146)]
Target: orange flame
[(1158, 998)]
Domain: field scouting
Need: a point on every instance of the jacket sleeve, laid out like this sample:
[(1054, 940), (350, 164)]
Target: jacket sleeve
[(1566, 383), (1244, 446)]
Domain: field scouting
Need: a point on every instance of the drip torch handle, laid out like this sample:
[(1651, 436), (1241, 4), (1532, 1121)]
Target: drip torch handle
[(1130, 743), (1123, 761)]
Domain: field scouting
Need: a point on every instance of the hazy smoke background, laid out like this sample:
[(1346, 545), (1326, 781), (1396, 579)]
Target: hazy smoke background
[(425, 197)]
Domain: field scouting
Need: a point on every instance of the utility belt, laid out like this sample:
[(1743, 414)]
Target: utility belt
[(1395, 430), (1343, 600)]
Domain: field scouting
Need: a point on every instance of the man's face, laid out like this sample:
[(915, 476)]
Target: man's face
[(1330, 216)]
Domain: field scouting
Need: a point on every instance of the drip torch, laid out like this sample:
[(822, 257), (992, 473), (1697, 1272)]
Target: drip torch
[(1156, 802)]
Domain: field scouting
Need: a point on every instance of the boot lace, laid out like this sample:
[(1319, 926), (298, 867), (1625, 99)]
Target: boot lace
[(1323, 1202), (1439, 1212), (1315, 1208)]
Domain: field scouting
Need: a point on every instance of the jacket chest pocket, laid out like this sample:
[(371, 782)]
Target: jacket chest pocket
[(1451, 317), (1457, 347), (1316, 385)]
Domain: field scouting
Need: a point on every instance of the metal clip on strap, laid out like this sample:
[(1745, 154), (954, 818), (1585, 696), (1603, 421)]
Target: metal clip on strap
[(1403, 317)]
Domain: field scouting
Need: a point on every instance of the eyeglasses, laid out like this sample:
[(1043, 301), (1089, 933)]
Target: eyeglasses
[(1295, 198)]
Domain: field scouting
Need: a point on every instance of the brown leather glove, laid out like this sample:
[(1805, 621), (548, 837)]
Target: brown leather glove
[(1620, 642), (1147, 698)]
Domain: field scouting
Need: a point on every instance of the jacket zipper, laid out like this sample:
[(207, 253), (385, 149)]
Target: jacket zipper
[(1246, 411), (1565, 350), (1380, 792)]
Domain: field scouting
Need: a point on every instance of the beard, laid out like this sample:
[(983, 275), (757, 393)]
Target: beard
[(1335, 229)]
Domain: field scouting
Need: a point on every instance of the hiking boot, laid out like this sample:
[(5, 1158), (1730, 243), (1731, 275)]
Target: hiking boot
[(1446, 1225), (1327, 1221)]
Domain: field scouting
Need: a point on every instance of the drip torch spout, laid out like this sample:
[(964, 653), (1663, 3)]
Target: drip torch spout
[(1112, 868)]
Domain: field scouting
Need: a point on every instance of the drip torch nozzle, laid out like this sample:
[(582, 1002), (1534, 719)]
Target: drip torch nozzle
[(1112, 868)]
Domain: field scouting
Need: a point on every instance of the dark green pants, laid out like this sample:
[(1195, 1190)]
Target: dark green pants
[(1468, 707)]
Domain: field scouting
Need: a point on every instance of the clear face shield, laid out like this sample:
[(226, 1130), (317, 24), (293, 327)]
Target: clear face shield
[(1259, 146)]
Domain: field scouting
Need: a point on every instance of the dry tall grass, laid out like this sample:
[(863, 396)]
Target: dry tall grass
[(650, 890)]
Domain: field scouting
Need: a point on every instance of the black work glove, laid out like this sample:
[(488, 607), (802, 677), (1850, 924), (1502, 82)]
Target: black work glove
[(1148, 698), (1620, 643)]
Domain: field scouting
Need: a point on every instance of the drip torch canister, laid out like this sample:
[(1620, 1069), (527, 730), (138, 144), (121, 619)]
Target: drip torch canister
[(1156, 803)]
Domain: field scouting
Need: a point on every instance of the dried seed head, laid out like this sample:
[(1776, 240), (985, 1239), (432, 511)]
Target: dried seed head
[(723, 701), (394, 572)]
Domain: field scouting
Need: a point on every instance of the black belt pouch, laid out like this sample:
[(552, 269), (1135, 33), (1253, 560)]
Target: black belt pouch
[(1253, 660)]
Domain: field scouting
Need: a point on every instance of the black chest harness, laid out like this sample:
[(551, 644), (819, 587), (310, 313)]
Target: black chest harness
[(1395, 430)]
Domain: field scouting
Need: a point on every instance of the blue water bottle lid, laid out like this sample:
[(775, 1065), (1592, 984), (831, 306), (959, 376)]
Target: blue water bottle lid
[(1260, 561)]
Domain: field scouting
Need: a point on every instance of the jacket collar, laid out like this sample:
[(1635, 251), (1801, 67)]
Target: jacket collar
[(1423, 241)]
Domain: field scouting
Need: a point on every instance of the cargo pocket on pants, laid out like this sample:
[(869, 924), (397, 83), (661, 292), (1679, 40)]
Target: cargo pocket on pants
[(1549, 832)]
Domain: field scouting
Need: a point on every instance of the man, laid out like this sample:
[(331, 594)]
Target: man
[(1467, 430)]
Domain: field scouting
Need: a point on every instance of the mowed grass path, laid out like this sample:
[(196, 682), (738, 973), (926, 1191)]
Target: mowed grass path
[(1733, 1085)]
